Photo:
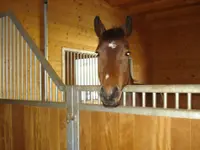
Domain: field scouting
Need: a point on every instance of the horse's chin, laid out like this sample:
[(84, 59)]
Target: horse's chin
[(111, 105)]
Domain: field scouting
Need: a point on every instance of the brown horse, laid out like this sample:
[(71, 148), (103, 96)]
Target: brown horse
[(114, 62)]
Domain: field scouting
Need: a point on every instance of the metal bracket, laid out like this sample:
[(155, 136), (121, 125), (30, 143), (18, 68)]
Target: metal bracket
[(70, 117)]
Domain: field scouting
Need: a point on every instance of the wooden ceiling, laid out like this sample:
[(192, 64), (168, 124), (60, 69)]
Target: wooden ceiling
[(146, 6)]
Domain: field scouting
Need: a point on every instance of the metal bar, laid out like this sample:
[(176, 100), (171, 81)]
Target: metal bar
[(177, 113), (177, 100), (143, 99), (185, 88), (134, 99), (18, 67), (70, 129), (189, 99), (46, 47), (56, 95), (50, 90), (154, 100), (1, 64), (40, 81), (165, 100), (6, 61), (67, 67), (78, 51), (173, 88), (14, 62), (73, 119), (22, 66), (11, 64), (71, 68), (124, 98), (26, 72), (31, 92), (3, 57), (34, 103), (35, 73)]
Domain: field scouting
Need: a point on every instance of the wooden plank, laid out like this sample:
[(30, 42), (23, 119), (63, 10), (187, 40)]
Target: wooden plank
[(160, 6)]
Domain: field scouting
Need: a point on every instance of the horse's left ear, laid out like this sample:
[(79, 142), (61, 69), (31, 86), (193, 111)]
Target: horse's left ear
[(128, 26)]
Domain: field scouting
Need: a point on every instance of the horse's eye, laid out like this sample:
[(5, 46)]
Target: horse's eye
[(128, 53)]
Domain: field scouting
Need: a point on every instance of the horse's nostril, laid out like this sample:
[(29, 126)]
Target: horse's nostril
[(109, 94)]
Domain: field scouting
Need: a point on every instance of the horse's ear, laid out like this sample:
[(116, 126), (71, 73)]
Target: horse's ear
[(128, 26), (98, 26)]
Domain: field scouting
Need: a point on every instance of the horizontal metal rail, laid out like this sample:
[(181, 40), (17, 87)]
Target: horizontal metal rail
[(190, 114), (173, 88), (34, 103)]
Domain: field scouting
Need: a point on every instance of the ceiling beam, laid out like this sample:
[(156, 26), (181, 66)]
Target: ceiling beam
[(160, 6)]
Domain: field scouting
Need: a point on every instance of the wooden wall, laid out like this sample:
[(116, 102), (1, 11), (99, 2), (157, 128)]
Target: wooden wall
[(70, 24), (38, 128), (114, 131), (173, 45), (32, 128)]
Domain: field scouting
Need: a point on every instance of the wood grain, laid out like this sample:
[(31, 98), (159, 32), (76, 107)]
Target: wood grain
[(32, 128)]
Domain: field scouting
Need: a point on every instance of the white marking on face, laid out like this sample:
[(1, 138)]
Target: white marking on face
[(107, 76), (112, 44)]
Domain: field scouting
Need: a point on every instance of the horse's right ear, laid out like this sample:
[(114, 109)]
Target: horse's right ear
[(98, 26)]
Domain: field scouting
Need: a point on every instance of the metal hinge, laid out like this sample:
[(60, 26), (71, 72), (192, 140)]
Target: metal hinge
[(70, 117)]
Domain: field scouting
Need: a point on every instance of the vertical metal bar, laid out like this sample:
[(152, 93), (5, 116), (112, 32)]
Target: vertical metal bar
[(124, 98), (84, 64), (70, 129), (134, 99), (26, 72), (71, 68), (67, 68), (73, 119), (56, 95), (22, 65), (93, 70), (18, 66), (7, 84), (31, 75), (50, 90), (40, 81), (74, 64), (14, 63), (154, 100), (46, 45), (3, 57), (143, 100), (35, 73), (165, 100), (11, 67), (189, 100), (1, 88), (177, 100)]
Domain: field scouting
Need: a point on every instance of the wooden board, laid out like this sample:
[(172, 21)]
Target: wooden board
[(32, 128), (115, 131)]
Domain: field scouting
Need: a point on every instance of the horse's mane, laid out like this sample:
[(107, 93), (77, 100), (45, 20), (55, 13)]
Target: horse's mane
[(113, 34)]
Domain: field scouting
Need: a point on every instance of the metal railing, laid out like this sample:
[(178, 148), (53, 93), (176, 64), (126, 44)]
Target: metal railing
[(23, 65), (174, 99)]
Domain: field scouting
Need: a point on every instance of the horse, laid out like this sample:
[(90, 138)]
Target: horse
[(114, 63)]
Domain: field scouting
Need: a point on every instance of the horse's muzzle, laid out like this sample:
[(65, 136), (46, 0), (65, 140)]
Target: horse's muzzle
[(110, 99)]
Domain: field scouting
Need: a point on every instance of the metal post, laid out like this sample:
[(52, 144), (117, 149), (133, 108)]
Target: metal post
[(72, 118), (45, 46)]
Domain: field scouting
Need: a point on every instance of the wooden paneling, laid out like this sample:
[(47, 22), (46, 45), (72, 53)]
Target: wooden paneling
[(114, 131), (174, 46), (32, 128), (37, 128)]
